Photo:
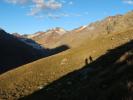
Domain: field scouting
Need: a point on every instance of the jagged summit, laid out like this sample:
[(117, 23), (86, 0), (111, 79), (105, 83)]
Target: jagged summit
[(57, 30)]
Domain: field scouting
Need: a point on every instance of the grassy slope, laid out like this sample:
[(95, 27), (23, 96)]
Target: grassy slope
[(28, 78), (107, 78)]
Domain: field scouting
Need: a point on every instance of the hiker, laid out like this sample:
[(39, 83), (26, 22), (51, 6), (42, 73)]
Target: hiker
[(86, 61), (90, 58)]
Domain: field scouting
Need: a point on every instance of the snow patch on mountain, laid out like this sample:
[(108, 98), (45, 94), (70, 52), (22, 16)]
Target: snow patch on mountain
[(57, 30), (31, 43)]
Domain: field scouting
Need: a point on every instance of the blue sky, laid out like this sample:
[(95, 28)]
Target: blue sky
[(30, 16)]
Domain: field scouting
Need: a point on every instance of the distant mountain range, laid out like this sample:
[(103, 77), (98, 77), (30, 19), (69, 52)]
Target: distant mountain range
[(45, 39), (58, 36)]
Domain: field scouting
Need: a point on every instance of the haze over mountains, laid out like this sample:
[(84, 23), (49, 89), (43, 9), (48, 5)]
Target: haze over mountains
[(62, 69)]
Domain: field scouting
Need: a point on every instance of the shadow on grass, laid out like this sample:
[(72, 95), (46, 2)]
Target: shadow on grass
[(14, 53), (106, 78)]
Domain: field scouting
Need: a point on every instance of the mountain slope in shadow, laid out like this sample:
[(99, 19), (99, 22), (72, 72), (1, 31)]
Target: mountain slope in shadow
[(110, 77), (14, 52)]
